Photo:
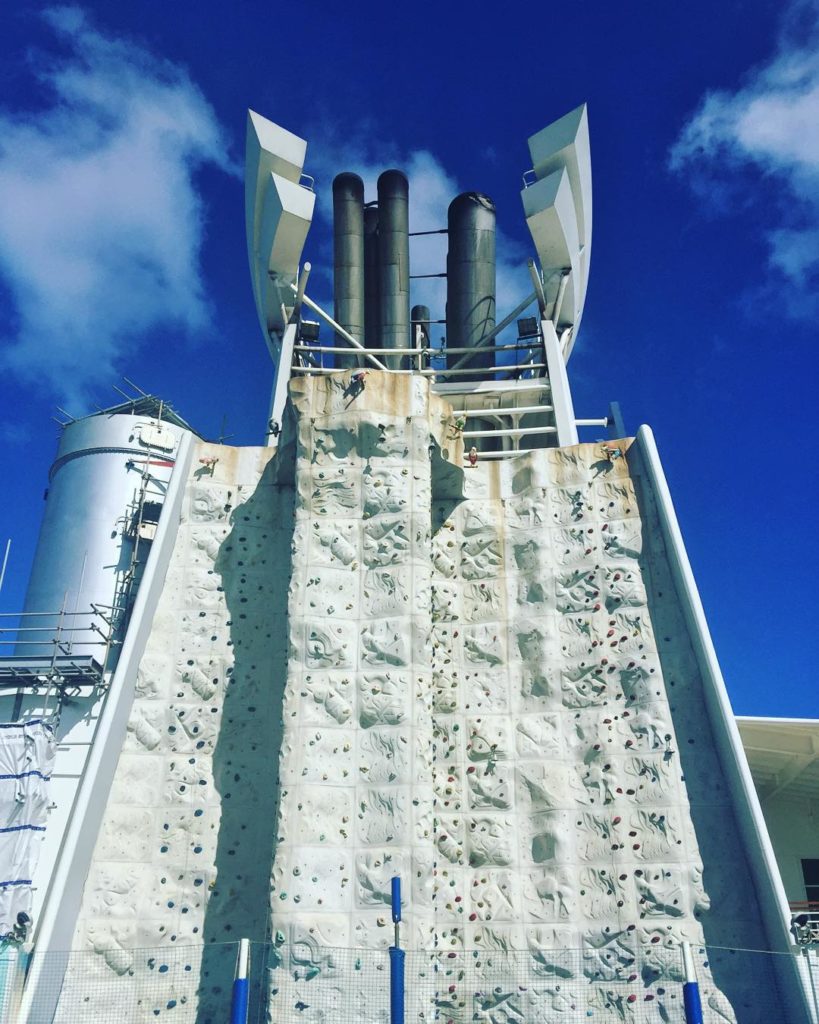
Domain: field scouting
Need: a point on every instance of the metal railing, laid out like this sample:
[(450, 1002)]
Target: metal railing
[(418, 359), (62, 649), (805, 920)]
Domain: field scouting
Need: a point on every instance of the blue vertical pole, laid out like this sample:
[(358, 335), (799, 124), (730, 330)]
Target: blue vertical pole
[(241, 992), (691, 989), (396, 960)]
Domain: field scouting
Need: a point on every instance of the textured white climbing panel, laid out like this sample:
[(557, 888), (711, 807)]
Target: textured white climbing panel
[(479, 679)]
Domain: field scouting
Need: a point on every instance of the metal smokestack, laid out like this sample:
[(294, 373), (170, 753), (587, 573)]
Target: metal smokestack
[(372, 304), (420, 333), (420, 319), (393, 262), (348, 273), (470, 267)]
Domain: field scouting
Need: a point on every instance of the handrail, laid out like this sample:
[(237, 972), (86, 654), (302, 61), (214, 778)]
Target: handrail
[(507, 431), (487, 371), (506, 454), (42, 643), (468, 389), (47, 629), (345, 350), (426, 350), (40, 615), (511, 410)]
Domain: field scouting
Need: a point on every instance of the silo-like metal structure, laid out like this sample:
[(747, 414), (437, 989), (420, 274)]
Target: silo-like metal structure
[(470, 267), (393, 263), (106, 489), (348, 272)]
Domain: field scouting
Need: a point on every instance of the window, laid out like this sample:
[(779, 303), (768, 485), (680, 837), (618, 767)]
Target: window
[(810, 873)]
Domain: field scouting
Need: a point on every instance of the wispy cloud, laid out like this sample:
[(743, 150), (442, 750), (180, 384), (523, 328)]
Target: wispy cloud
[(759, 145), (432, 189), (101, 224)]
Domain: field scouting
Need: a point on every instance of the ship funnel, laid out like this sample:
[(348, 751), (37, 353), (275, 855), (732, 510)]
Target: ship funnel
[(372, 304), (348, 245), (470, 266), (393, 263)]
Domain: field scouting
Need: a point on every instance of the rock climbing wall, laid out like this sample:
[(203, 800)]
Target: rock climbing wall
[(491, 693), (479, 679), (183, 857)]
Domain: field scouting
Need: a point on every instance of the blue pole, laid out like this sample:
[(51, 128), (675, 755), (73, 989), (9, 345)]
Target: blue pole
[(396, 900), (691, 989), (396, 985), (241, 989), (692, 1003), (396, 959)]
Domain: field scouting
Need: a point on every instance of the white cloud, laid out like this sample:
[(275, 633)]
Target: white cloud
[(101, 225), (431, 190), (769, 125)]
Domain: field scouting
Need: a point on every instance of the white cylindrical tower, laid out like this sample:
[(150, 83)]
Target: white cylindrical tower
[(106, 489)]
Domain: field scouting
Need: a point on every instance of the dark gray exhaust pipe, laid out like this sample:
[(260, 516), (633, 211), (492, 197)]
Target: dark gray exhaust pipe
[(470, 266), (393, 263), (348, 246), (372, 302)]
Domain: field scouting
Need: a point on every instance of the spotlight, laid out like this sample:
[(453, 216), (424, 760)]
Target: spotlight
[(309, 331), (528, 328)]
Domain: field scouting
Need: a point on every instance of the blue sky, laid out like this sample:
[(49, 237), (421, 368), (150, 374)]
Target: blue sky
[(122, 245)]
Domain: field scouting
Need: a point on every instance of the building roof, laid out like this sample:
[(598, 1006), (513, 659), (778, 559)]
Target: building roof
[(783, 755), (149, 406)]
